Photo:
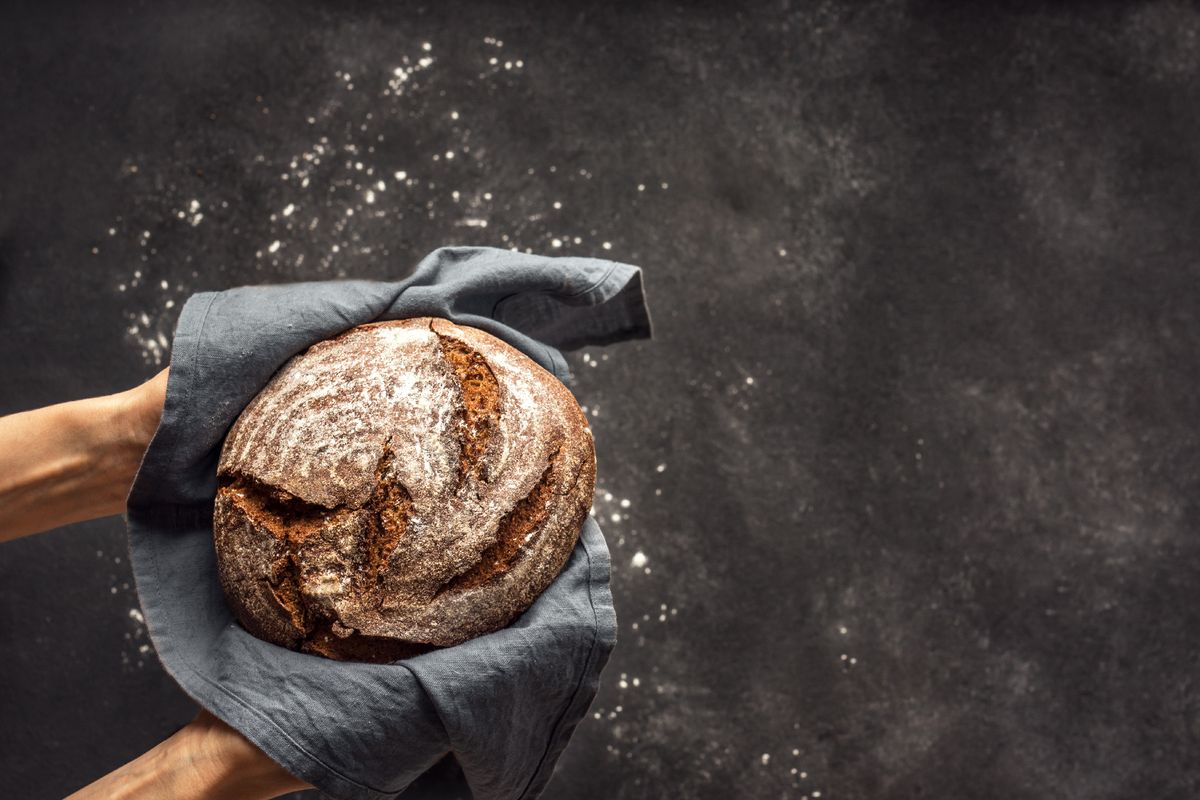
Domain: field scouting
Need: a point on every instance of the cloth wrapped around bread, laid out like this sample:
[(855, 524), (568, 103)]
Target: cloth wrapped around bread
[(403, 486)]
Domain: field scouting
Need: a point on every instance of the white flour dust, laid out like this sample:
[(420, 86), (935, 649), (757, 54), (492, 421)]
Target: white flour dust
[(371, 168)]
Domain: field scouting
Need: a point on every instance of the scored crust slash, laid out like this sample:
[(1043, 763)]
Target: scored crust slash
[(404, 486)]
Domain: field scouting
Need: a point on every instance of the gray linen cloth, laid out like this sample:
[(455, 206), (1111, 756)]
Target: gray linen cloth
[(485, 719)]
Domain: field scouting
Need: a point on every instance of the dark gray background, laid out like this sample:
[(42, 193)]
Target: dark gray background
[(912, 460)]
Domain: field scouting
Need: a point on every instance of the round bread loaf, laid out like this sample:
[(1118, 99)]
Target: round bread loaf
[(403, 486)]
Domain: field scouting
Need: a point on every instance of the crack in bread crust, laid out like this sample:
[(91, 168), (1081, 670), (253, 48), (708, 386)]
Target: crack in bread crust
[(478, 416), (518, 527), (331, 639), (273, 501), (292, 521), (391, 506)]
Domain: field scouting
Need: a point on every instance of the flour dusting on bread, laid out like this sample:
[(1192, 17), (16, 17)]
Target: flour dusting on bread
[(407, 484)]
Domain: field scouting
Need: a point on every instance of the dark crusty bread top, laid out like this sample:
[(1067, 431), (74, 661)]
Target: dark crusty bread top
[(405, 485)]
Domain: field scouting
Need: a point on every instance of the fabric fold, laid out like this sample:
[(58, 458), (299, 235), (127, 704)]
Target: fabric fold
[(485, 719)]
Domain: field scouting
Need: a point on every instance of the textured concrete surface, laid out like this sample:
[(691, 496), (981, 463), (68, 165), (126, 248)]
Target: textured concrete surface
[(901, 499)]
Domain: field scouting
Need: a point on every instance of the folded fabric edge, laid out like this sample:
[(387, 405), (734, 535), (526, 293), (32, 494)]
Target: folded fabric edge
[(258, 728), (627, 305), (183, 345), (273, 740), (631, 301), (617, 298), (603, 642)]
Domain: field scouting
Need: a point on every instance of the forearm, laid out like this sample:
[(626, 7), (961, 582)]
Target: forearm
[(66, 463), (74, 461), (206, 759)]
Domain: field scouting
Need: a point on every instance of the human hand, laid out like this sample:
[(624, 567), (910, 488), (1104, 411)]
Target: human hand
[(76, 461), (205, 759)]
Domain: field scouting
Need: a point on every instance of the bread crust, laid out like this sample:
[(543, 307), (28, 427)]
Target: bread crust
[(406, 485)]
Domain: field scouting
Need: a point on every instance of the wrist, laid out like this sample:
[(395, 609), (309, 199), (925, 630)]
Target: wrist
[(215, 758), (126, 422), (205, 760), (112, 445), (141, 411), (102, 441), (227, 765)]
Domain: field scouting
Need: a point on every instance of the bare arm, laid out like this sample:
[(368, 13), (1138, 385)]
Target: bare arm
[(205, 759), (74, 461)]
